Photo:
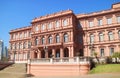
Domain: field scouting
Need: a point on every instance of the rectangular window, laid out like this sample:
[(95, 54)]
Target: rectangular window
[(102, 52), (111, 51), (118, 19), (91, 38), (99, 22), (109, 21), (91, 24)]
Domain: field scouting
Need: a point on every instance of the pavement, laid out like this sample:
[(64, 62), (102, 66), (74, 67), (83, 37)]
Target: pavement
[(105, 75)]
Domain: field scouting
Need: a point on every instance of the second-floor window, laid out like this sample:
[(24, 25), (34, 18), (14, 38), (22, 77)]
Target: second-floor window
[(57, 24), (36, 41), (91, 38), (43, 40), (57, 38), (50, 39), (99, 22), (110, 36), (101, 37), (36, 28), (43, 27), (29, 44), (90, 23), (49, 26), (20, 35), (66, 37), (109, 20), (64, 22), (118, 19), (119, 34), (111, 51), (24, 45), (101, 52)]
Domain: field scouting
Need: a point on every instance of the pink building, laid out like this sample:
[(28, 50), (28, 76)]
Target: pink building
[(65, 34)]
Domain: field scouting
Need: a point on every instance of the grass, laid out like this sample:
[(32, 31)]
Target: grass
[(107, 68)]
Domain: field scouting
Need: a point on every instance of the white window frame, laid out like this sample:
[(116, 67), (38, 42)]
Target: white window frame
[(110, 35), (109, 20), (118, 19), (101, 37), (90, 23), (99, 22), (65, 23)]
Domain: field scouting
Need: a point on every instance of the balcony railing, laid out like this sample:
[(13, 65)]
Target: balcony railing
[(68, 60)]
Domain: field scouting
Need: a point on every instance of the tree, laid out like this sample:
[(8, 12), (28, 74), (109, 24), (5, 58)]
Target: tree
[(95, 54), (116, 55)]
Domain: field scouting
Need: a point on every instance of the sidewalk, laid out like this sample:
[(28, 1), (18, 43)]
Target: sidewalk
[(106, 75)]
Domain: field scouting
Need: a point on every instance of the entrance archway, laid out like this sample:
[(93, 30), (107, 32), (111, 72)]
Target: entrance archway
[(50, 53), (57, 53), (81, 52), (66, 52), (35, 54), (42, 54)]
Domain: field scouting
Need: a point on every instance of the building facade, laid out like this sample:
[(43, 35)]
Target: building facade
[(65, 34), (1, 49)]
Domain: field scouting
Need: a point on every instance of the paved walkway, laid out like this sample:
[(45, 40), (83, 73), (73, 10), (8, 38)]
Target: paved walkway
[(107, 75)]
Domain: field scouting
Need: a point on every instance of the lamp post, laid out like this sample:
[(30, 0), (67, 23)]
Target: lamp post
[(46, 51)]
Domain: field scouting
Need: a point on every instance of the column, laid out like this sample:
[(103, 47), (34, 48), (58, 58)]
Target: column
[(106, 35), (53, 52), (115, 34), (61, 37), (71, 36), (96, 37), (38, 55), (61, 53), (71, 50)]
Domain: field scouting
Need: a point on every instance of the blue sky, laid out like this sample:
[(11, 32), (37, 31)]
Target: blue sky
[(19, 13)]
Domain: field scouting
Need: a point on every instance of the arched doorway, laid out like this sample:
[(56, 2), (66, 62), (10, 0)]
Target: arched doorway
[(81, 52), (66, 52), (50, 53), (35, 54), (57, 53), (42, 54)]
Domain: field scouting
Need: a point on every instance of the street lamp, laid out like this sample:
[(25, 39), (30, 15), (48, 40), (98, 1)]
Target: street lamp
[(46, 50)]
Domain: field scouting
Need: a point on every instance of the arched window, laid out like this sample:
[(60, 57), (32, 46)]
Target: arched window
[(50, 39), (66, 37), (20, 45), (36, 41), (119, 34), (110, 35), (91, 38), (57, 38), (49, 26), (43, 40), (65, 22), (43, 27), (36, 28), (101, 37), (57, 23)]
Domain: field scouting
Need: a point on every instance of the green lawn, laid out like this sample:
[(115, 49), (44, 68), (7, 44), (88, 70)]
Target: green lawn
[(107, 68)]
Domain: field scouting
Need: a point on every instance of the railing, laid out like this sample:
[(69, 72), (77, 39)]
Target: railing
[(59, 60)]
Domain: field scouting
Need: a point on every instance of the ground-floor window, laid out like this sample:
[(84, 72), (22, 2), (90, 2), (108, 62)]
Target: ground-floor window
[(58, 53), (111, 51), (66, 52), (101, 52)]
